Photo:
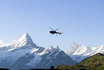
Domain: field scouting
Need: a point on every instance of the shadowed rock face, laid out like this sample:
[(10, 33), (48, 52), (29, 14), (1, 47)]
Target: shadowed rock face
[(54, 59), (24, 54)]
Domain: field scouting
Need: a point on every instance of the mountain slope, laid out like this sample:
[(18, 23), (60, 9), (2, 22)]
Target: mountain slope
[(24, 54), (94, 62), (80, 52), (55, 57)]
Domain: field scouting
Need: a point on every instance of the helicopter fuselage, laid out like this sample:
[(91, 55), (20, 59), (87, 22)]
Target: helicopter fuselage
[(54, 32)]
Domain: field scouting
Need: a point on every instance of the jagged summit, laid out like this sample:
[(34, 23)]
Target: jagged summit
[(53, 48), (74, 45), (24, 40), (22, 53), (73, 48), (57, 47), (25, 37)]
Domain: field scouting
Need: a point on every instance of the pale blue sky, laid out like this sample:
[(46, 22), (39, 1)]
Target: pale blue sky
[(81, 21)]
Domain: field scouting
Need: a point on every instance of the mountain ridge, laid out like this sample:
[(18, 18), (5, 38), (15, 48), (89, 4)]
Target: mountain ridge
[(80, 52), (23, 53), (26, 51), (94, 62)]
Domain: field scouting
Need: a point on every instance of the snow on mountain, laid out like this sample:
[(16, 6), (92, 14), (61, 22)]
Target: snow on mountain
[(24, 54), (17, 53), (80, 52), (99, 49), (24, 41), (53, 57), (1, 43)]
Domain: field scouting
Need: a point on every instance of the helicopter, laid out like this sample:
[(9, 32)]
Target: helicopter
[(54, 31)]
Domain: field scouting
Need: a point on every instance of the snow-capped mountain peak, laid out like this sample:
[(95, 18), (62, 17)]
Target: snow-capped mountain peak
[(57, 47), (22, 53), (25, 37), (23, 41), (73, 48), (51, 47), (80, 52), (74, 44)]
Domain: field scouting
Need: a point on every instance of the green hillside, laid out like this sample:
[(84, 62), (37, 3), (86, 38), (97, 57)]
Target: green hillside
[(95, 62)]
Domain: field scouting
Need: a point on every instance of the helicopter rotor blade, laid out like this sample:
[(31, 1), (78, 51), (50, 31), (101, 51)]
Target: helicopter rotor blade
[(50, 28), (57, 29)]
